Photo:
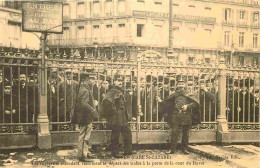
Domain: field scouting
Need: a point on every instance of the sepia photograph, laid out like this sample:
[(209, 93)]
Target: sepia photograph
[(130, 83)]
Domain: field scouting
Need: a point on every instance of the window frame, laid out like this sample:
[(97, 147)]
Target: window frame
[(241, 39)]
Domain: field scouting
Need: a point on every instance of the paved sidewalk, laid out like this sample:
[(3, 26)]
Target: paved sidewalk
[(241, 156), (205, 156)]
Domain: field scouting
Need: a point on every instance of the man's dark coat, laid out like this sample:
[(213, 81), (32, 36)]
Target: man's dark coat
[(84, 106), (169, 107), (114, 107)]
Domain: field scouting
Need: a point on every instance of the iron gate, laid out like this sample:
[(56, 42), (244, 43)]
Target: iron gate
[(144, 80)]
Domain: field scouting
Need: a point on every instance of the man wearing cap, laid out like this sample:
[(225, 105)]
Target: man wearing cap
[(115, 111), (83, 115), (183, 111)]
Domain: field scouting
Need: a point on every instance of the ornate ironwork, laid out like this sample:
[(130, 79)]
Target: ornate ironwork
[(205, 126), (30, 129), (244, 127)]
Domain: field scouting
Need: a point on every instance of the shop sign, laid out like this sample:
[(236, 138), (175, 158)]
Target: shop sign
[(42, 16)]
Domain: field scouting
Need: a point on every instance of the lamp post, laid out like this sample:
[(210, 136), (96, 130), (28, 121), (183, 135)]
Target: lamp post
[(44, 138)]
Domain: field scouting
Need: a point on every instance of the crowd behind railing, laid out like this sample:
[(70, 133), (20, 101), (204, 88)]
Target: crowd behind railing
[(19, 90), (19, 95)]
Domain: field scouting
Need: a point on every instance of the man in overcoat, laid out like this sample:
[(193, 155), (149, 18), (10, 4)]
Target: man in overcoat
[(83, 114), (115, 111), (67, 95), (183, 112)]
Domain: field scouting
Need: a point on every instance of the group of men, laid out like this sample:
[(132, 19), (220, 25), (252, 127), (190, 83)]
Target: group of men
[(114, 110), (18, 100), (182, 108)]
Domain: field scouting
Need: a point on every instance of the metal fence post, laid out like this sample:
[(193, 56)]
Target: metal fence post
[(222, 131), (44, 137), (138, 98)]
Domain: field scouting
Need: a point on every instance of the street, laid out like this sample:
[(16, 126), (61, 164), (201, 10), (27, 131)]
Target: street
[(232, 156)]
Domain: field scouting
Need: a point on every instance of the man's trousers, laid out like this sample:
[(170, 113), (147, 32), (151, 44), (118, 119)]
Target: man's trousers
[(83, 141), (175, 132), (127, 136)]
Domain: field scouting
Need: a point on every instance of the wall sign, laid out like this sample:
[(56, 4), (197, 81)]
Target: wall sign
[(42, 16)]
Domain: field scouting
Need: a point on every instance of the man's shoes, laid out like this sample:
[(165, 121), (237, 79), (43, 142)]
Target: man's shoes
[(118, 156), (84, 159), (170, 152), (184, 151)]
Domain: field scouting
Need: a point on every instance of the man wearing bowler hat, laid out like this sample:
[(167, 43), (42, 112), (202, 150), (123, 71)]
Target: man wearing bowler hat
[(183, 112), (83, 114)]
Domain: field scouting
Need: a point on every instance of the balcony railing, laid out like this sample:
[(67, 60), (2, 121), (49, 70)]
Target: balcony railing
[(90, 41), (228, 23), (255, 25)]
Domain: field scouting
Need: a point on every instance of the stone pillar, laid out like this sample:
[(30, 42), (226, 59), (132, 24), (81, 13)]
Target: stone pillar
[(222, 126), (44, 136)]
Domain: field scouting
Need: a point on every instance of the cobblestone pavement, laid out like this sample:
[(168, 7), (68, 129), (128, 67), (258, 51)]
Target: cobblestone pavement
[(67, 157)]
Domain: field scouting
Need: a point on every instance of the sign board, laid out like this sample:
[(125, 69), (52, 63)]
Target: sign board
[(42, 16)]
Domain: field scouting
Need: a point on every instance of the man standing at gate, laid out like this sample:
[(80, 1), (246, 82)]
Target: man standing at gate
[(83, 115), (67, 95), (183, 111), (115, 111)]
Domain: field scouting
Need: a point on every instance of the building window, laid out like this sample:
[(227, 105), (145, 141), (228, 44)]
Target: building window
[(80, 32), (241, 39), (80, 9), (256, 17), (109, 26), (121, 25), (109, 8), (140, 28), (158, 3), (96, 8), (108, 0), (192, 6), (175, 4), (66, 10), (227, 14), (242, 15), (207, 60), (96, 26), (121, 8), (255, 40), (207, 8), (140, 0), (14, 31), (191, 59), (227, 38), (241, 60)]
